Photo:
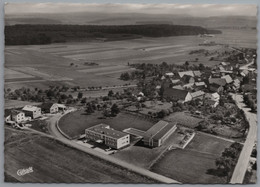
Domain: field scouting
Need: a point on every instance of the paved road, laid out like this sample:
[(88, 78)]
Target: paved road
[(54, 131), (242, 164)]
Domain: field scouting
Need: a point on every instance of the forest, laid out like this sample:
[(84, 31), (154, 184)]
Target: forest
[(47, 34)]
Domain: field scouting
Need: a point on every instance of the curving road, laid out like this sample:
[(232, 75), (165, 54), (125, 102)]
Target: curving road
[(54, 131), (243, 160)]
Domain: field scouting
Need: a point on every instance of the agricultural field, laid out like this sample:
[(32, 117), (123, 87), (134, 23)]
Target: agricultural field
[(98, 63), (73, 128), (199, 156), (54, 162)]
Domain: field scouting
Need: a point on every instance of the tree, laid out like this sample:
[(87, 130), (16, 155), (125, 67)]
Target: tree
[(114, 110), (110, 93), (80, 95), (227, 162)]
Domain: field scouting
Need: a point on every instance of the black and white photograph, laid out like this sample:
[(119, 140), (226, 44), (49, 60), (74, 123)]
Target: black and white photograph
[(130, 93)]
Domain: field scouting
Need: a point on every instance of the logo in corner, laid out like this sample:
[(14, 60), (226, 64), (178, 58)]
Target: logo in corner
[(22, 172)]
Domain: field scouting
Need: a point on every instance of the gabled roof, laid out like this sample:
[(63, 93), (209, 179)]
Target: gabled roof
[(181, 74), (175, 81), (197, 73), (179, 87), (47, 106), (30, 108), (199, 83), (169, 74), (215, 95), (190, 85), (197, 94), (227, 78), (186, 78), (218, 81), (175, 93)]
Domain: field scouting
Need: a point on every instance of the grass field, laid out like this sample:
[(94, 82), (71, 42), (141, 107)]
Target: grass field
[(54, 162), (17, 104), (184, 119), (192, 164), (74, 124)]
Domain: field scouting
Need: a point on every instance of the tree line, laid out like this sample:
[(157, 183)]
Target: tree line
[(46, 34)]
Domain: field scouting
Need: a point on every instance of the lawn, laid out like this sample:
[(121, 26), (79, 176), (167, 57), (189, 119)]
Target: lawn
[(54, 162), (184, 119), (74, 124), (193, 164)]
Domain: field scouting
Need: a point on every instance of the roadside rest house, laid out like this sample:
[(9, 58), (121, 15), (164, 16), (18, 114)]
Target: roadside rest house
[(102, 133), (158, 133), (32, 111)]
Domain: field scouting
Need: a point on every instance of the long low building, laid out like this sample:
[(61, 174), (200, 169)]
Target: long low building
[(157, 134), (104, 134)]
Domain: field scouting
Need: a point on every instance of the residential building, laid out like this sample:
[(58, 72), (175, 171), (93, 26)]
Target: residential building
[(200, 85), (32, 111), (177, 94), (17, 116), (61, 107), (158, 133), (50, 108), (190, 73), (218, 81), (169, 74), (197, 73), (211, 103), (216, 88), (214, 96), (187, 79), (102, 133), (198, 95), (227, 78), (236, 84)]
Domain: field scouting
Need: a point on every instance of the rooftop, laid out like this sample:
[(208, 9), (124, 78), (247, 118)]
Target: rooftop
[(158, 130), (106, 130), (30, 108), (181, 74), (197, 94)]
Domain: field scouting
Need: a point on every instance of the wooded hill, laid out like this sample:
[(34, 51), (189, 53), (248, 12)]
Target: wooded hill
[(46, 34)]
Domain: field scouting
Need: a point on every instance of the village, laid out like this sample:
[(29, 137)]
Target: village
[(169, 106)]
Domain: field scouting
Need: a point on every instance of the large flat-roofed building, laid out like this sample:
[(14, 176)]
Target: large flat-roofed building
[(157, 134), (110, 137)]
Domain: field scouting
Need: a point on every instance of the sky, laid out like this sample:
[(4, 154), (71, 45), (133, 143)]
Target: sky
[(199, 10)]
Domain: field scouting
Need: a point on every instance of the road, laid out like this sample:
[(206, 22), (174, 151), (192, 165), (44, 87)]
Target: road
[(243, 160), (54, 131)]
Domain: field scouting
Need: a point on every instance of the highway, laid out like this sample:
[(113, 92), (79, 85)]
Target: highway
[(243, 161)]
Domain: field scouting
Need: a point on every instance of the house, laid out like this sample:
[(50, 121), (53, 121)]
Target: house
[(190, 73), (198, 95), (61, 107), (236, 84), (200, 85), (179, 87), (227, 78), (170, 74), (17, 116), (187, 79), (218, 81), (102, 133), (177, 94), (197, 73), (211, 103), (244, 73), (32, 111), (50, 108), (158, 133), (214, 96), (188, 86), (176, 81), (216, 88)]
